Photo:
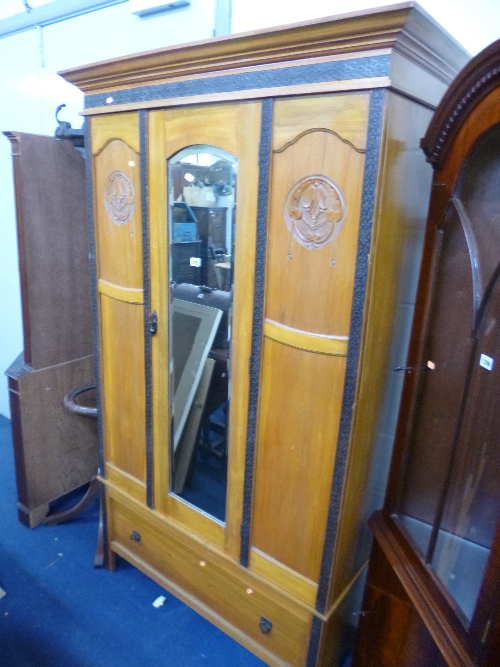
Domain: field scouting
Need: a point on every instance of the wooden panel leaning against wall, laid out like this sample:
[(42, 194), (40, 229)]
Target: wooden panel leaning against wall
[(55, 451), (118, 231)]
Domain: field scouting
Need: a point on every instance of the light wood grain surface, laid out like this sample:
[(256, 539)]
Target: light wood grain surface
[(303, 289), (308, 311), (223, 592), (300, 402), (160, 295), (123, 386), (109, 128), (119, 246), (115, 147)]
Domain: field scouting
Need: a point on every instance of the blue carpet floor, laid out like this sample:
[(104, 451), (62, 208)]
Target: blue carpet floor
[(61, 612)]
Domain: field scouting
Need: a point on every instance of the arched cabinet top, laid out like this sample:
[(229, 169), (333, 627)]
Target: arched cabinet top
[(474, 83)]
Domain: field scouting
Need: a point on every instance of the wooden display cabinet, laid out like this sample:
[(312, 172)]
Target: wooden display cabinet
[(433, 593), (314, 131)]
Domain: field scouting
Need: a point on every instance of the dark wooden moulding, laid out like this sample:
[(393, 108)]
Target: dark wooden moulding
[(408, 619), (55, 451)]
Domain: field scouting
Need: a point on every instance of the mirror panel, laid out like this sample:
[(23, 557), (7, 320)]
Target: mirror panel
[(202, 188)]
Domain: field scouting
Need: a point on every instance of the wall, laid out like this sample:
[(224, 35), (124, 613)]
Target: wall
[(30, 91)]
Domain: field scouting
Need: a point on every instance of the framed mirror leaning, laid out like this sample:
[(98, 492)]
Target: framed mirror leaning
[(202, 225)]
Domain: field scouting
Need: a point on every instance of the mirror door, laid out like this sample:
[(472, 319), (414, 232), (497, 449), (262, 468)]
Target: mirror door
[(201, 183), (202, 240)]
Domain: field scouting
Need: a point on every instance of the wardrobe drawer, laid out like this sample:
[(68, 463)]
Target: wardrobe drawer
[(219, 590)]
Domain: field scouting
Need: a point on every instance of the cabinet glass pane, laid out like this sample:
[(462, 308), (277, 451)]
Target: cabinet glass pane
[(471, 502), (201, 187), (449, 496), (444, 374)]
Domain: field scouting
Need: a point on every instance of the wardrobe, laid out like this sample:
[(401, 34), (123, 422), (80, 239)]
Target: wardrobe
[(237, 418)]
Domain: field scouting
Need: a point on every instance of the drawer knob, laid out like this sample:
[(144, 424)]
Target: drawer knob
[(135, 537), (265, 625)]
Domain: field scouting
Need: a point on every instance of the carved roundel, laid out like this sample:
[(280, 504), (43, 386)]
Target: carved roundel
[(315, 211), (119, 197)]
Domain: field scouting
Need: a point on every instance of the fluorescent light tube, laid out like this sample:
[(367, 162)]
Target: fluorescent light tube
[(145, 7)]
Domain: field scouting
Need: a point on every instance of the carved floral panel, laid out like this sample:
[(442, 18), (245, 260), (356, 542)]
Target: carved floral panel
[(315, 211), (119, 197)]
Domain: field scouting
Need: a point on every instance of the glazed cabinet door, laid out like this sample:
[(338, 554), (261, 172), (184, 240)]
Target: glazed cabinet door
[(115, 147), (316, 176), (448, 501), (203, 171)]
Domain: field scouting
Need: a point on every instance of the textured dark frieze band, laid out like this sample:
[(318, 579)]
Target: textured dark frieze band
[(260, 267), (314, 638), (339, 70), (94, 293), (95, 323), (143, 143), (360, 279)]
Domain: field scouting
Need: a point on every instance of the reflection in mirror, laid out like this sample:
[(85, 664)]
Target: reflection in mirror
[(202, 188)]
